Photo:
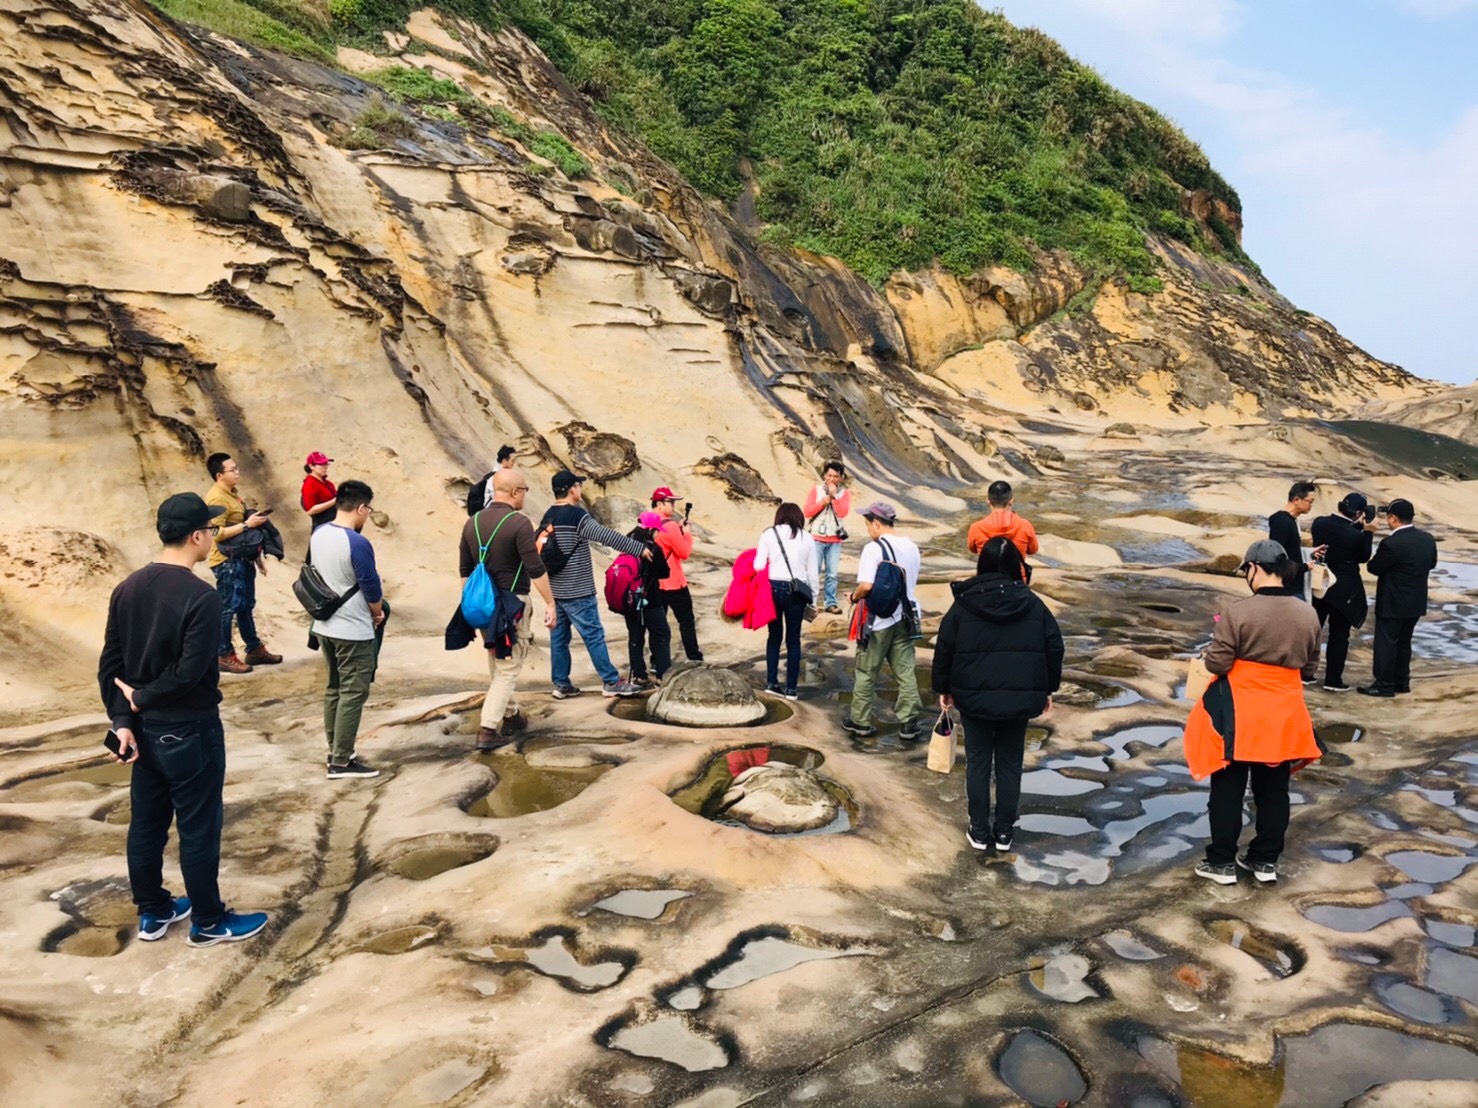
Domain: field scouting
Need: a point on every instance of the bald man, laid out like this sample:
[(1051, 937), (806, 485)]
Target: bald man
[(513, 560)]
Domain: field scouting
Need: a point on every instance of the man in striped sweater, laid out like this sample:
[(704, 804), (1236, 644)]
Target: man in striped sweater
[(568, 530)]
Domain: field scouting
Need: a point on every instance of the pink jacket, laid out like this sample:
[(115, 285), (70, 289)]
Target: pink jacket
[(749, 597)]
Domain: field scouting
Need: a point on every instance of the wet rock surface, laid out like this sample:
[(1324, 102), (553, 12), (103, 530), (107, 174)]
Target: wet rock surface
[(706, 696)]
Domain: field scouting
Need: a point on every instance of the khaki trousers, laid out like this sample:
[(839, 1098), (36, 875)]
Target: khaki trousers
[(502, 698)]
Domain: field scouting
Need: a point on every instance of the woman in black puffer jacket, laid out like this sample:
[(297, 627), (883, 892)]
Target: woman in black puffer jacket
[(999, 660)]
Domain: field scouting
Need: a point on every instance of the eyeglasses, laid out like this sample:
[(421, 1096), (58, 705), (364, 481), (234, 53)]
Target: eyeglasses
[(214, 528)]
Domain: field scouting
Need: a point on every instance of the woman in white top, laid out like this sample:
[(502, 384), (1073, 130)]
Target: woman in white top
[(789, 554)]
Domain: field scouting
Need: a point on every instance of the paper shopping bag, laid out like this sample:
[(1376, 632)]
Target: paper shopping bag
[(942, 745), (1197, 680)]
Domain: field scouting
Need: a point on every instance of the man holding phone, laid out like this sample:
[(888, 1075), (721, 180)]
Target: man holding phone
[(675, 541), (236, 578), (160, 684)]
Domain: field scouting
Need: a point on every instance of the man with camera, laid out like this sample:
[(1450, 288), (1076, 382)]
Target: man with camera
[(675, 541), (236, 576), (1401, 564), (827, 504), (1345, 540)]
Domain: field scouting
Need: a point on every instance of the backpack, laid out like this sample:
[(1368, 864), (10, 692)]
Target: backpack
[(625, 593), (480, 592), (554, 556), (477, 495), (889, 585), (313, 593)]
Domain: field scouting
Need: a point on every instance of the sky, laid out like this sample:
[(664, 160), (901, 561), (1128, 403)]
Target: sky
[(1348, 127)]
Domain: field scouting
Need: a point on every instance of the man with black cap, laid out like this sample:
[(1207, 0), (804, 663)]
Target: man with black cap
[(890, 634), (160, 681), (566, 532), (1345, 539), (1401, 564)]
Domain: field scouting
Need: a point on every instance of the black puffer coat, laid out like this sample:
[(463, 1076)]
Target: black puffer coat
[(999, 652)]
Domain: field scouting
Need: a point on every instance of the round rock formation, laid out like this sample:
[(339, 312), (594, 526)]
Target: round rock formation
[(705, 696), (778, 798)]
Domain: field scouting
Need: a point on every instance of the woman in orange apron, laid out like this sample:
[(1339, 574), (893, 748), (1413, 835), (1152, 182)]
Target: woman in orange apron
[(1252, 725)]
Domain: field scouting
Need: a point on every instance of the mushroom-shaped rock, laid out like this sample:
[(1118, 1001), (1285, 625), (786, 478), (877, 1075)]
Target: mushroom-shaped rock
[(706, 696), (779, 798)]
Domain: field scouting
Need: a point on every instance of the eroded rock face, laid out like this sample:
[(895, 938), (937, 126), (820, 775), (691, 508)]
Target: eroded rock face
[(777, 799), (706, 696)]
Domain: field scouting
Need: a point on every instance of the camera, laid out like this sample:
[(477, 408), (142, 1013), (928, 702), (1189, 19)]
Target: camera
[(687, 509), (1369, 512), (842, 534), (1384, 509)]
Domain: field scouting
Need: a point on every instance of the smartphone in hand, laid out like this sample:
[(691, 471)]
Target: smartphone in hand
[(114, 744)]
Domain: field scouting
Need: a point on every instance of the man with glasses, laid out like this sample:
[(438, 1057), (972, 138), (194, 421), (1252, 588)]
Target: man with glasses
[(1283, 530), (513, 560), (236, 578), (161, 688)]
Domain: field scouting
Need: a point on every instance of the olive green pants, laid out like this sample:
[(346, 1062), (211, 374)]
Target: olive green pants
[(891, 645), (351, 668)]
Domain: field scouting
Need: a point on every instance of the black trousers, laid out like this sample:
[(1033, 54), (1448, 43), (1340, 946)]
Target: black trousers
[(1270, 805), (998, 743), (787, 624), (681, 603), (649, 627), (178, 777), (1392, 668), (1337, 649)]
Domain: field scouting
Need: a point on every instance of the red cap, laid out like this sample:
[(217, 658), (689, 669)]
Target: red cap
[(318, 458), (664, 493)]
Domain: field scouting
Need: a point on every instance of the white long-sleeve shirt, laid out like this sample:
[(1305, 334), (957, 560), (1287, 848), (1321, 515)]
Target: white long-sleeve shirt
[(799, 547)]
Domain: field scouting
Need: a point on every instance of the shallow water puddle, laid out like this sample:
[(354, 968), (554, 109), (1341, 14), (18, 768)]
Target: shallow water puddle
[(523, 789), (705, 794), (1043, 823), (1130, 948), (1325, 1069), (1406, 999), (1341, 917), (686, 999), (1422, 865), (422, 859), (1048, 782), (86, 942), (769, 955), (402, 940), (1063, 867), (1453, 934), (1339, 732), (1453, 974), (1063, 977), (669, 1038), (1040, 1070), (640, 903), (553, 958), (1280, 957)]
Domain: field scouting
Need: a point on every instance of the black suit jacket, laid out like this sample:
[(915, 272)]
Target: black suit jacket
[(1349, 549), (1402, 562)]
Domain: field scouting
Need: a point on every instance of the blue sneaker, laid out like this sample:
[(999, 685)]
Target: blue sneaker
[(233, 929), (153, 928)]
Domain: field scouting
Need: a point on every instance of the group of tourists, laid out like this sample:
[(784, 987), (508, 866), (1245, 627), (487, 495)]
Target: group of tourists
[(998, 657)]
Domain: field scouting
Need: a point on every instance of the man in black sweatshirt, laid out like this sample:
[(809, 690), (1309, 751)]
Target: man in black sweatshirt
[(159, 678)]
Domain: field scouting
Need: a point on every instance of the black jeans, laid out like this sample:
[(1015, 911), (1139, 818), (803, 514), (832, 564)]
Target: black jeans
[(1338, 648), (681, 603), (1270, 806), (787, 623), (1392, 667), (649, 626), (1001, 742), (178, 776)]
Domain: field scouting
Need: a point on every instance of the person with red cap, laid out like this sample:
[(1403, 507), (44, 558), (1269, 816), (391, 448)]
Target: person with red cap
[(319, 493), (675, 540)]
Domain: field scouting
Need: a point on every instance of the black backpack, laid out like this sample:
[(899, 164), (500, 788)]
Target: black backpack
[(889, 584), (478, 494)]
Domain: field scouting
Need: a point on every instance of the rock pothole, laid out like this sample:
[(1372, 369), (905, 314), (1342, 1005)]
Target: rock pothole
[(429, 856)]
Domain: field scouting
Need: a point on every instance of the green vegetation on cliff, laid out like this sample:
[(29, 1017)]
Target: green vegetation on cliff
[(890, 133)]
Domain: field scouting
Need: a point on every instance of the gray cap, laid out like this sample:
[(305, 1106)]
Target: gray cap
[(881, 511), (1264, 552)]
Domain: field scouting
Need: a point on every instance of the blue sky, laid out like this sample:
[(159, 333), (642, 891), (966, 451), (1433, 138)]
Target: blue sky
[(1350, 130)]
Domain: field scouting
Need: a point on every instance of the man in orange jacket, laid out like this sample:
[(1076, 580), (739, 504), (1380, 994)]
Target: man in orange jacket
[(1002, 520), (675, 540)]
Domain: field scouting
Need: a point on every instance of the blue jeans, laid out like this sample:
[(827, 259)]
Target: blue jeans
[(787, 624), (178, 777), (236, 581), (830, 554), (584, 614)]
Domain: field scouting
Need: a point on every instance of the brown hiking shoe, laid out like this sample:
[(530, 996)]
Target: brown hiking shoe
[(261, 656), (489, 739), (515, 723), (230, 663)]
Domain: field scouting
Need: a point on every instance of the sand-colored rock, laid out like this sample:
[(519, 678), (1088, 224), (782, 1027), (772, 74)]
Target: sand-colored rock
[(706, 696), (777, 798)]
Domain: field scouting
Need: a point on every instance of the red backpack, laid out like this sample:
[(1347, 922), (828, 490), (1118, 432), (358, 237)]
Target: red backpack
[(624, 591)]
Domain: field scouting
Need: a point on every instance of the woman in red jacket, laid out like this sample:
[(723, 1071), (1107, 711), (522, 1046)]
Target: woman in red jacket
[(319, 493)]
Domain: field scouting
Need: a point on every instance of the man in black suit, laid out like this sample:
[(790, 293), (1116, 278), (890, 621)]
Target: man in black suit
[(1402, 562), (1345, 539)]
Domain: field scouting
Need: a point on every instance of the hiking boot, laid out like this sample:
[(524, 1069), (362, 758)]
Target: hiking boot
[(620, 688), (910, 730), (153, 928), (1336, 686), (261, 656), (233, 929), (861, 729), (1003, 842), (1222, 875), (515, 723), (1266, 872), (979, 842), (230, 663), (353, 768), (791, 693), (565, 692), (487, 739)]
